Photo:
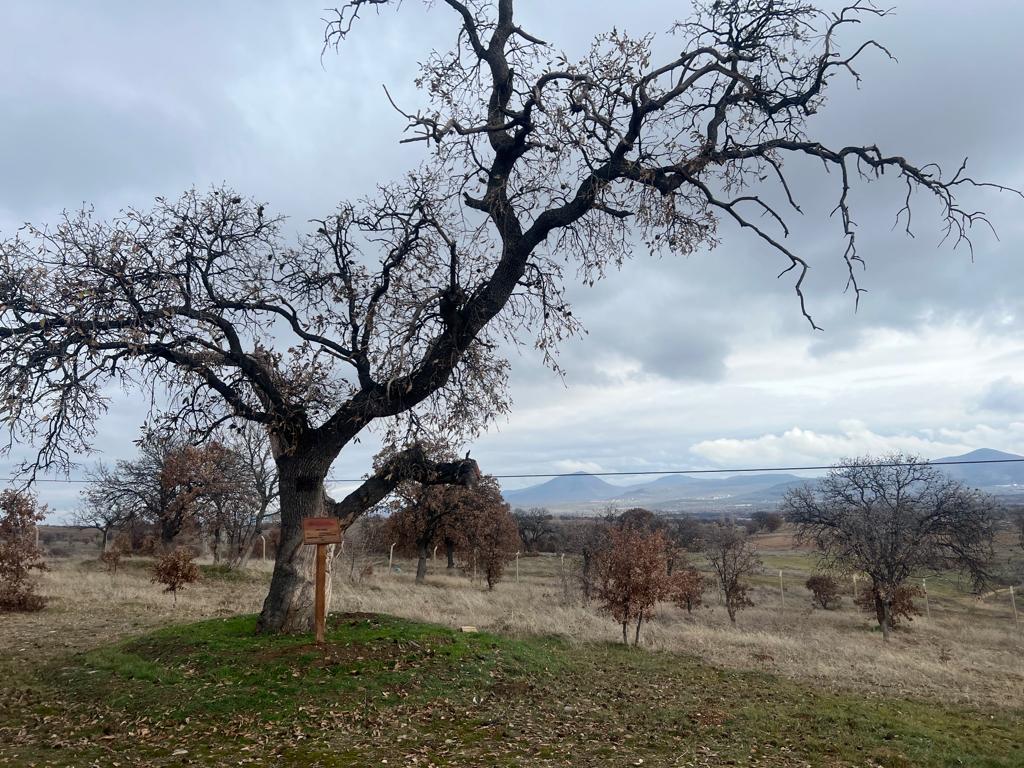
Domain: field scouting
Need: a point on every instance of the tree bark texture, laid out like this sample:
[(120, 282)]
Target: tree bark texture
[(290, 601), (288, 607), (422, 551), (449, 550)]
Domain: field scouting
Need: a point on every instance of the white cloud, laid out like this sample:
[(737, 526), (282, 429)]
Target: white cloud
[(569, 465), (798, 446)]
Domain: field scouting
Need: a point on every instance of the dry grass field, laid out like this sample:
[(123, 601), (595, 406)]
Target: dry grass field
[(969, 655)]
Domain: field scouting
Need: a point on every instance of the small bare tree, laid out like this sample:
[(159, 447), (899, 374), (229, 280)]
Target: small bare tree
[(762, 520), (20, 513), (161, 487), (892, 518), (733, 559), (631, 577), (240, 494), (174, 570), (535, 527), (1017, 519), (259, 485), (587, 537), (101, 511)]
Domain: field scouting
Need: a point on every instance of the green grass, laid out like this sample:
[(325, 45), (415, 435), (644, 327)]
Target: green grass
[(408, 693)]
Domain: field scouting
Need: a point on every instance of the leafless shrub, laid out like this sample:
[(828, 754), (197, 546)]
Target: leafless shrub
[(733, 559)]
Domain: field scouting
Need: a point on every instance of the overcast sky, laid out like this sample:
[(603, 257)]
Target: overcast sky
[(695, 362)]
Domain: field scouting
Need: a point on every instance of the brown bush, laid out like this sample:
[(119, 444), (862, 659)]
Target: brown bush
[(687, 590), (19, 555), (825, 590), (871, 599), (631, 576), (174, 570), (112, 558), (148, 546)]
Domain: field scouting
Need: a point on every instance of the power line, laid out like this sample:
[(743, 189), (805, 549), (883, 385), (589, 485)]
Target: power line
[(734, 471), (746, 469)]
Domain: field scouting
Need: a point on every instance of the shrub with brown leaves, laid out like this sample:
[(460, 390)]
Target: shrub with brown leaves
[(901, 603), (687, 588), (825, 590), (20, 513), (174, 570), (112, 558), (632, 577)]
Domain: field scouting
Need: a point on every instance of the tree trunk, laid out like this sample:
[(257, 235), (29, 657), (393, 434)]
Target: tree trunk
[(288, 607), (170, 526), (625, 637), (885, 618), (585, 574), (449, 550), (731, 610), (244, 554), (639, 621), (422, 551)]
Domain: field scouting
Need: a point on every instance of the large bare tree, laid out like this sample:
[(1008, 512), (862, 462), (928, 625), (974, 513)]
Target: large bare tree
[(393, 307), (893, 518)]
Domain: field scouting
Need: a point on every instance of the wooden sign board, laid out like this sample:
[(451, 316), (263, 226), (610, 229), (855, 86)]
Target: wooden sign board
[(321, 530)]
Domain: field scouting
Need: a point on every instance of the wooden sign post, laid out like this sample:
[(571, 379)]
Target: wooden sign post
[(321, 531)]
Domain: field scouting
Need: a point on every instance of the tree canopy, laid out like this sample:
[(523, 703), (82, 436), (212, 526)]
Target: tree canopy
[(892, 518)]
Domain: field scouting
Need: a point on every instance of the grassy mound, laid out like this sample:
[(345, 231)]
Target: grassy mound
[(388, 691)]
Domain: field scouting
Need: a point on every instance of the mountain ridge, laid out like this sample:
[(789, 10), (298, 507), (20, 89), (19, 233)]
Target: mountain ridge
[(581, 491)]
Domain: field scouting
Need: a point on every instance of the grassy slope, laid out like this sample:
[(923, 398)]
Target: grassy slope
[(385, 689)]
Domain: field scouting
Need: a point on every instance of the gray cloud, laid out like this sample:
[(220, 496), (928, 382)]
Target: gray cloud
[(1004, 395), (117, 103)]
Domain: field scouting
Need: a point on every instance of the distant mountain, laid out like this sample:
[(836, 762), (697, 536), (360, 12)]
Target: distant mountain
[(773, 494), (991, 476), (579, 487), (661, 493), (584, 493)]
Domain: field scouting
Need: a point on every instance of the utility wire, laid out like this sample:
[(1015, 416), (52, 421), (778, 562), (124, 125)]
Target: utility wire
[(733, 471)]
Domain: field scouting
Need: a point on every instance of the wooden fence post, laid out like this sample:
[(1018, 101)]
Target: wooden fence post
[(782, 593), (517, 567), (391, 557), (320, 602)]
